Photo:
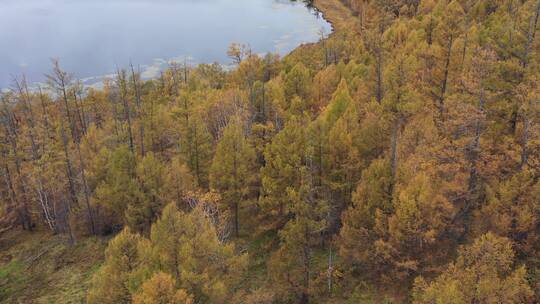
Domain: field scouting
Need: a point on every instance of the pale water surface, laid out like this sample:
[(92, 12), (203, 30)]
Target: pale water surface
[(94, 37)]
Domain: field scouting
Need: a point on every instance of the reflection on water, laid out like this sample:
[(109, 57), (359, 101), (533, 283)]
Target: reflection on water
[(94, 37)]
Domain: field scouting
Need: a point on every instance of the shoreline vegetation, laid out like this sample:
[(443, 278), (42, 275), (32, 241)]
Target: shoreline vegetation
[(397, 160)]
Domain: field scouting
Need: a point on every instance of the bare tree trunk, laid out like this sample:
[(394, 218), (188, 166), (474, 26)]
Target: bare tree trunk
[(137, 90), (473, 175), (69, 166), (80, 110), (59, 80), (122, 87), (45, 114), (393, 147), (24, 98), (445, 77), (307, 269), (89, 210), (531, 34)]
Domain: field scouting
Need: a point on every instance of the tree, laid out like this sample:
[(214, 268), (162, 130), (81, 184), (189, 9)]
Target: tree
[(183, 257), (284, 156), (366, 220), (292, 265), (111, 284), (482, 273), (160, 289), (449, 23), (233, 169), (344, 164), (512, 211), (419, 223), (237, 52), (196, 149), (298, 83), (178, 182), (119, 187), (340, 103), (144, 208), (187, 245)]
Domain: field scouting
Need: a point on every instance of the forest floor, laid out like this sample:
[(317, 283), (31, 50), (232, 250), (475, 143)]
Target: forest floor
[(38, 267)]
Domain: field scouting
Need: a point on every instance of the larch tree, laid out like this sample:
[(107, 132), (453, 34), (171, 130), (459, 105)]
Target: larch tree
[(292, 266), (196, 148), (187, 245), (160, 289), (365, 222), (233, 170), (283, 157), (143, 209), (111, 284), (118, 188), (484, 272)]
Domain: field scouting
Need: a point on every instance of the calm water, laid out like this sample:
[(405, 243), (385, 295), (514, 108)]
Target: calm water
[(93, 37)]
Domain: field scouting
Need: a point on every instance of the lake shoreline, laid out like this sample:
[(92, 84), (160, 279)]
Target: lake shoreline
[(338, 15)]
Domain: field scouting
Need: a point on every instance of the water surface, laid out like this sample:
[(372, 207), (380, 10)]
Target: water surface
[(94, 37)]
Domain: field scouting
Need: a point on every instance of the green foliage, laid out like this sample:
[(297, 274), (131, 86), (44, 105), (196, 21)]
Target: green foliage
[(111, 284), (297, 82), (142, 211), (233, 170), (339, 104), (284, 156), (118, 187), (185, 248), (292, 265)]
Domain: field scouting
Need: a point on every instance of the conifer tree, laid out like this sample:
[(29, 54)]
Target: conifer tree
[(111, 284), (292, 265), (483, 273), (196, 148), (297, 83), (160, 289), (366, 220), (233, 169), (284, 156), (119, 187), (187, 245), (143, 210), (178, 182)]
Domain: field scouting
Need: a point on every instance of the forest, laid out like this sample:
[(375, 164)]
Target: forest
[(397, 160)]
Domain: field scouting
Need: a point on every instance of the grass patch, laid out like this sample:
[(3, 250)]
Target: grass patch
[(38, 267)]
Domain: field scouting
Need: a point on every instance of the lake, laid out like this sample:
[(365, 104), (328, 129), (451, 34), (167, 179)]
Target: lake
[(94, 37)]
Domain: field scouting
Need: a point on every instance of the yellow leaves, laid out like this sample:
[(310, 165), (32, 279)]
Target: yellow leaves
[(339, 104), (185, 247), (111, 283), (482, 273), (160, 289)]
